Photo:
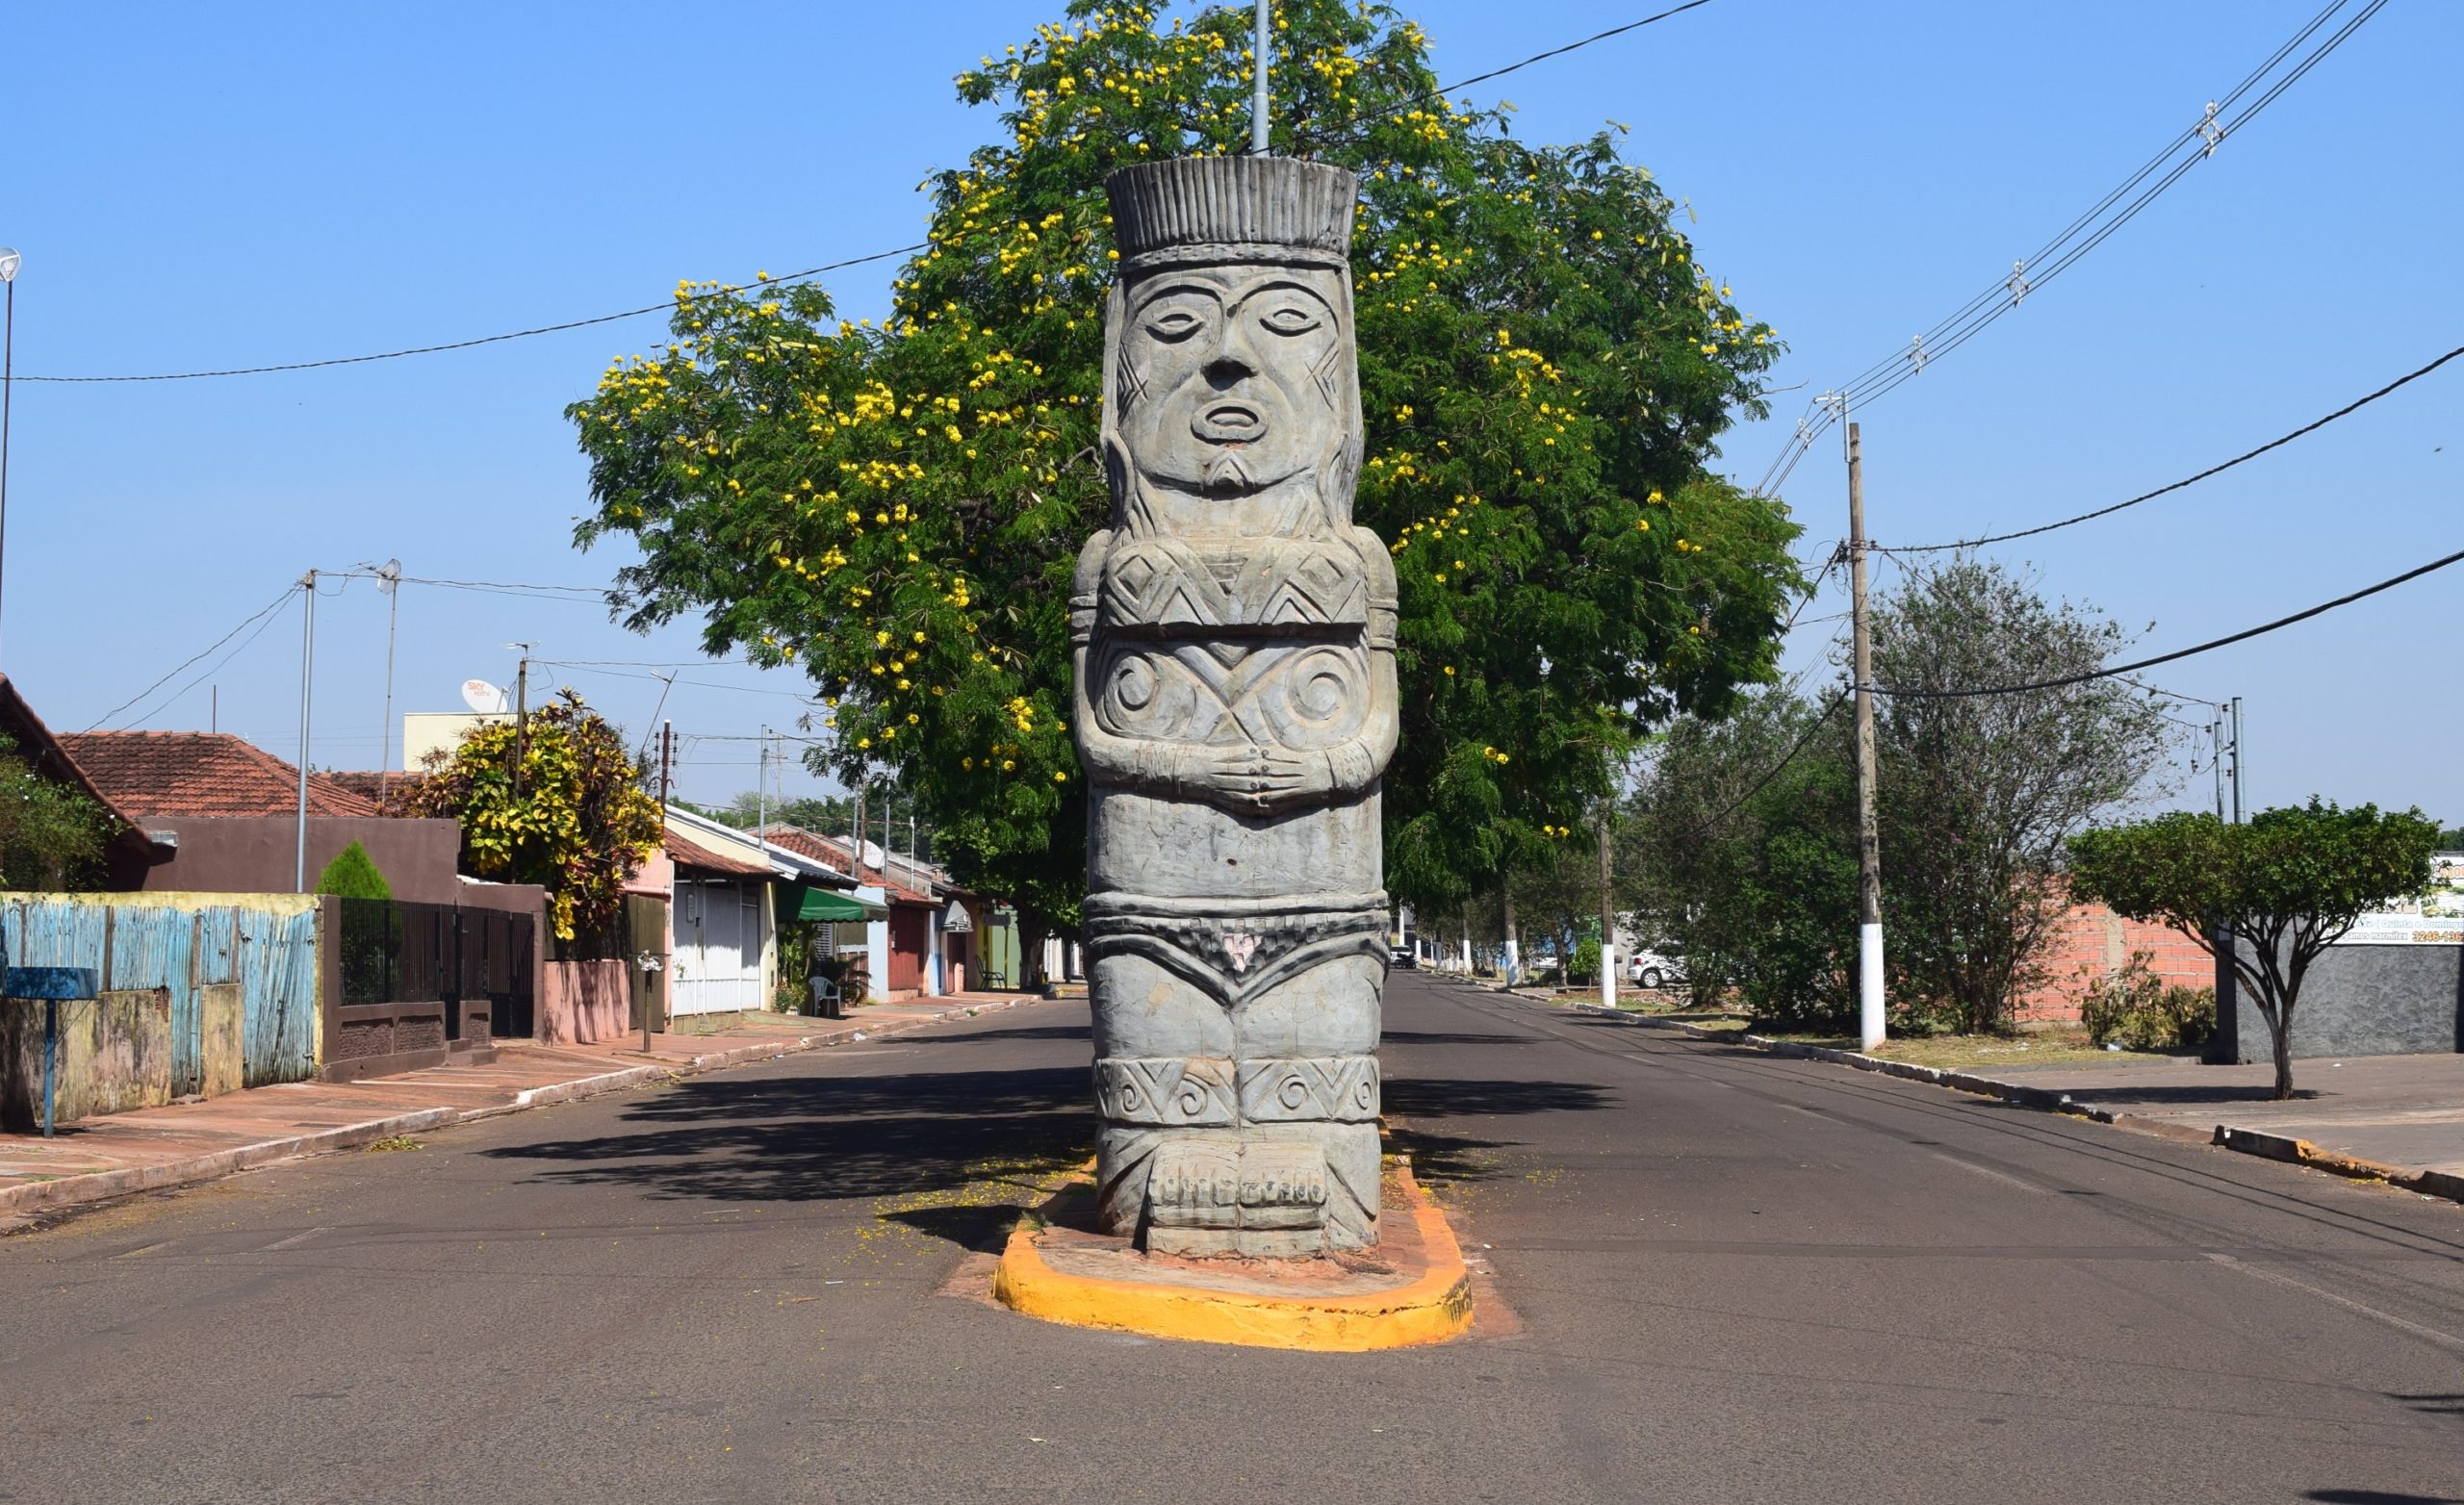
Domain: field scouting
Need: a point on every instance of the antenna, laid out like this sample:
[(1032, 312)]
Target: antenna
[(480, 696)]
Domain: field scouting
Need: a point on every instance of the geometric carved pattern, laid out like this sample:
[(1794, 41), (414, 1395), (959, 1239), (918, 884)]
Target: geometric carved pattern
[(1331, 1088), (1235, 959), (1166, 1091)]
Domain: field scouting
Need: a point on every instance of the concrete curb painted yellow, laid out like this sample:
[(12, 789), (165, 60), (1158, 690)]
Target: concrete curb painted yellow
[(1430, 1310)]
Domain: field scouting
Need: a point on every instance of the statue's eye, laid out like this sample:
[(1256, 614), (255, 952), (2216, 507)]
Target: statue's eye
[(1174, 325), (1289, 319)]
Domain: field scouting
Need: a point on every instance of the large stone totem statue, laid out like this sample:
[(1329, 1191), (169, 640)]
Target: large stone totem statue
[(1235, 639)]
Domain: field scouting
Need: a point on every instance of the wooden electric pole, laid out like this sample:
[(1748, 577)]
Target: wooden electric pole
[(1869, 842)]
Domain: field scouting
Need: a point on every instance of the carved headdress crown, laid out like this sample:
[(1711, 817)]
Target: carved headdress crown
[(1216, 209)]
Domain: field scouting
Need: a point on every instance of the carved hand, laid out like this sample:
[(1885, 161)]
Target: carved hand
[(1263, 779)]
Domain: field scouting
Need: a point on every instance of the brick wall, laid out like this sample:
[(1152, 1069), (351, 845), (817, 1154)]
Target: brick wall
[(2093, 938)]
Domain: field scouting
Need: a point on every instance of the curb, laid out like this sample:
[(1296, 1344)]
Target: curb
[(47, 1196), (1431, 1308), (2247, 1141)]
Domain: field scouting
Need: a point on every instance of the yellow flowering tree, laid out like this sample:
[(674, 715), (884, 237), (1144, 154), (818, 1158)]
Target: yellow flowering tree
[(1544, 366), (574, 819)]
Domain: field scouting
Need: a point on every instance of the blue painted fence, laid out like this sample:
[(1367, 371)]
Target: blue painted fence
[(183, 946)]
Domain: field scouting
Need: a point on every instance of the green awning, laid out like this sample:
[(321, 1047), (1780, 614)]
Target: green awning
[(824, 903)]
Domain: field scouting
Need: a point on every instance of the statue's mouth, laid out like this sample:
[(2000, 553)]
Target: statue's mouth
[(1229, 423)]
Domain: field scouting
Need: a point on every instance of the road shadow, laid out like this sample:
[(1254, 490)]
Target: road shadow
[(2379, 1497), (1036, 1032), (2183, 1096), (1457, 1097), (831, 1139)]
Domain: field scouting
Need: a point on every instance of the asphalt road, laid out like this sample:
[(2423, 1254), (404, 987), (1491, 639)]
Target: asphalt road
[(1731, 1278)]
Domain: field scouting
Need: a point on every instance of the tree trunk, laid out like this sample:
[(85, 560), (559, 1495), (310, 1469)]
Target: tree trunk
[(2281, 1037)]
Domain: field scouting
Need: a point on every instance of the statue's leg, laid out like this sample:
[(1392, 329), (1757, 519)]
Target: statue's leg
[(1163, 1076), (1308, 1087)]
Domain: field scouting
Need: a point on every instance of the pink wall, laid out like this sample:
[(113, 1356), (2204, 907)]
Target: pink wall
[(2090, 941), (581, 1002)]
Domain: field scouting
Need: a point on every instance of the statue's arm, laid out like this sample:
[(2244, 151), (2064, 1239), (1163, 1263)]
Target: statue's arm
[(1353, 766)]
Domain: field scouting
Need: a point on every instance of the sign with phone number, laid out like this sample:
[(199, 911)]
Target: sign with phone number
[(2434, 919)]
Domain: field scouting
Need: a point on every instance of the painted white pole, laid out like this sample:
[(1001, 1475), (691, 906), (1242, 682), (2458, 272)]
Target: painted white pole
[(1869, 985), (1258, 87)]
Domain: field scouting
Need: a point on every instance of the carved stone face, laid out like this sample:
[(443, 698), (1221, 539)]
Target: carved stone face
[(1228, 375)]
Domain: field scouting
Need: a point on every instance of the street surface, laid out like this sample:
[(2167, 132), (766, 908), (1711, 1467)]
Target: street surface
[(1730, 1278)]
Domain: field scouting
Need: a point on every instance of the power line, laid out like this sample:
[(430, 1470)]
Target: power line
[(1440, 92), (2119, 670), (260, 615), (2212, 470), (806, 274), (2031, 275), (1821, 718), (809, 273)]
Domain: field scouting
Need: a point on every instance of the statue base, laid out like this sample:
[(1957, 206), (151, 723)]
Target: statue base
[(1412, 1289)]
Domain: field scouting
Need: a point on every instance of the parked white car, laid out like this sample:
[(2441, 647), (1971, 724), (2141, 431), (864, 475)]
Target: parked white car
[(1650, 969)]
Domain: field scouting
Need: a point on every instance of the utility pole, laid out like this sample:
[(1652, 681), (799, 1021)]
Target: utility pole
[(307, 682), (1869, 842), (10, 262), (666, 769), (1258, 46), (762, 785), (389, 579), (520, 716), (2237, 760), (1607, 909)]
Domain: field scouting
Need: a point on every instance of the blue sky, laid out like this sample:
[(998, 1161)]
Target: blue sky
[(210, 187)]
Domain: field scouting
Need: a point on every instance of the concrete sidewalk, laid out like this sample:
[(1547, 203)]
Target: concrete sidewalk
[(114, 1154), (2404, 1113)]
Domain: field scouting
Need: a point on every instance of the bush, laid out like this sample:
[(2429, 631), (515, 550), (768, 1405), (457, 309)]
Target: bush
[(2137, 1010), (354, 875), (1587, 967)]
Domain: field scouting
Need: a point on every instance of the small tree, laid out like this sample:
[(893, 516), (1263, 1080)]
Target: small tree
[(575, 822), (2286, 886), (354, 875)]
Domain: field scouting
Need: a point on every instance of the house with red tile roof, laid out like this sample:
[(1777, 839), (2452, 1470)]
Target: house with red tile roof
[(224, 817)]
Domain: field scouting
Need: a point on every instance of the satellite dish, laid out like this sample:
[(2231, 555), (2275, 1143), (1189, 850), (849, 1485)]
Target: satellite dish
[(483, 697)]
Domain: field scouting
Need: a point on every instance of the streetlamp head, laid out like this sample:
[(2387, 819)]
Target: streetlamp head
[(10, 262)]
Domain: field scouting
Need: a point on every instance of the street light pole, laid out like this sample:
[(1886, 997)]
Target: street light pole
[(10, 262)]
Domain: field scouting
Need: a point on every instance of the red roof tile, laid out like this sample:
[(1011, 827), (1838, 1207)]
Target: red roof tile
[(201, 773)]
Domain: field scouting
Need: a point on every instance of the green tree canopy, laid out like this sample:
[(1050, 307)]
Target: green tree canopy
[(2285, 886), (558, 803), (354, 875), (1545, 366)]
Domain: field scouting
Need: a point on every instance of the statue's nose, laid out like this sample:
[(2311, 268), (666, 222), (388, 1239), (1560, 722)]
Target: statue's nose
[(1227, 367)]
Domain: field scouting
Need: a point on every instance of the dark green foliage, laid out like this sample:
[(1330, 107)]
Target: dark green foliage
[(52, 832), (1754, 884), (353, 875)]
